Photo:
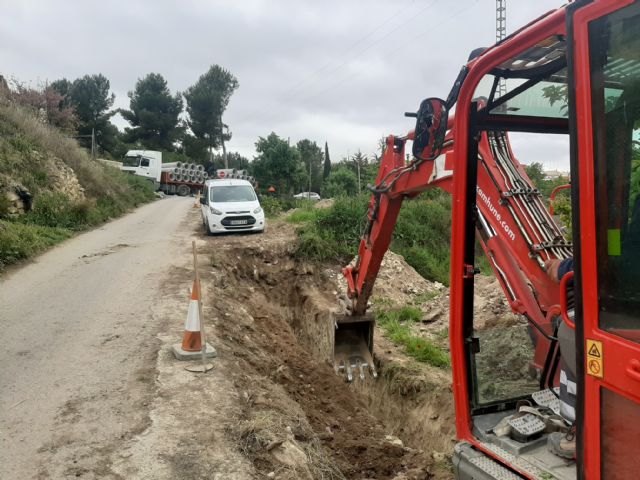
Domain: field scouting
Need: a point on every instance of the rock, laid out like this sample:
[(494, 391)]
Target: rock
[(438, 456), (15, 199), (63, 179), (393, 440), (289, 453), (432, 316), (271, 475)]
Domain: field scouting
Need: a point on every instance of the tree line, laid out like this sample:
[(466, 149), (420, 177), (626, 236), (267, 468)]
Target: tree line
[(188, 123), (189, 126)]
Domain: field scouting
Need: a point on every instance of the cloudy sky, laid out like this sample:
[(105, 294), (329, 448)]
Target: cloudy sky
[(341, 71)]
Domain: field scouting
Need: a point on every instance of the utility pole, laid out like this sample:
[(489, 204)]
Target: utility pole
[(93, 143), (224, 147), (309, 191), (501, 33)]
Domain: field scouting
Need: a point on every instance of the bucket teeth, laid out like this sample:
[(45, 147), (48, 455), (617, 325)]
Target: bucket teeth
[(356, 365), (349, 372)]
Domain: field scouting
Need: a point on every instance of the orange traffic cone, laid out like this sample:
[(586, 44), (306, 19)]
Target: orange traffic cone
[(192, 338), (191, 346)]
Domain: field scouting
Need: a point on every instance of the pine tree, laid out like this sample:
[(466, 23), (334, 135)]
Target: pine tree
[(327, 161)]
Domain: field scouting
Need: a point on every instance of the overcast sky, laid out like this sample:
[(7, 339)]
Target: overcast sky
[(341, 71)]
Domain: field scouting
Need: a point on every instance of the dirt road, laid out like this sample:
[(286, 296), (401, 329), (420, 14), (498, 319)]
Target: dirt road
[(78, 344)]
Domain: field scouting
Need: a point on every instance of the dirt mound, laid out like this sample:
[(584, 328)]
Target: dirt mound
[(397, 284)]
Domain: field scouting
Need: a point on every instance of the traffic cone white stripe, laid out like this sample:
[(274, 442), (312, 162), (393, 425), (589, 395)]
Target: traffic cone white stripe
[(192, 338), (193, 317)]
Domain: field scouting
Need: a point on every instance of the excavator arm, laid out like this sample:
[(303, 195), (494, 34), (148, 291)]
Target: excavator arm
[(514, 228)]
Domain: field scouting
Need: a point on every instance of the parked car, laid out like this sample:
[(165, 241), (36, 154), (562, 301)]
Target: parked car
[(231, 205), (308, 196)]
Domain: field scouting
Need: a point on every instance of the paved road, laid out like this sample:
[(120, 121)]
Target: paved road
[(78, 344)]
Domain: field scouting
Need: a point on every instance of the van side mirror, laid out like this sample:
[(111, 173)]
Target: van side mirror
[(431, 128), (203, 198)]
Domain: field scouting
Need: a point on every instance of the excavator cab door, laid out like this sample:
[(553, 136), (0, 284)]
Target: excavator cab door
[(605, 73)]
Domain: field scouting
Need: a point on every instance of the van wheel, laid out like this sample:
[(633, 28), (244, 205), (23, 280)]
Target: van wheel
[(207, 230), (183, 190)]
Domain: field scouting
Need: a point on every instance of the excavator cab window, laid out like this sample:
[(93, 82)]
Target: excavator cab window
[(616, 105)]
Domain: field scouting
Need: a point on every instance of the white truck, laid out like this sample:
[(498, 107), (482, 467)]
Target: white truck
[(172, 178)]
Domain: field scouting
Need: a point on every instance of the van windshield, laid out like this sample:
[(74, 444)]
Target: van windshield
[(233, 193)]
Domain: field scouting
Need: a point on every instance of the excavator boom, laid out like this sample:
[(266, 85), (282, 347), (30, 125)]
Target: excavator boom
[(515, 230)]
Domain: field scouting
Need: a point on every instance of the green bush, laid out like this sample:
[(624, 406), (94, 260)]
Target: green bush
[(421, 236), (333, 233)]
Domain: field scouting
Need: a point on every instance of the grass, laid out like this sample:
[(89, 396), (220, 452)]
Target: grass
[(304, 213), (19, 241), (396, 325)]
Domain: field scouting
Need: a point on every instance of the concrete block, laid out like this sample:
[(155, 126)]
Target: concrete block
[(181, 354)]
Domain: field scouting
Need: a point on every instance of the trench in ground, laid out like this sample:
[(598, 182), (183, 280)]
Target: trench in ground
[(300, 419)]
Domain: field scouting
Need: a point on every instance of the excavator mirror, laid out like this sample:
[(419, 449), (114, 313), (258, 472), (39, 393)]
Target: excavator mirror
[(431, 127)]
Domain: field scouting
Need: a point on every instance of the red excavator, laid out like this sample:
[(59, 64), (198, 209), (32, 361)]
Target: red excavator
[(574, 71)]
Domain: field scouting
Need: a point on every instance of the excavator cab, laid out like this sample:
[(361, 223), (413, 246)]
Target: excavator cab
[(574, 72)]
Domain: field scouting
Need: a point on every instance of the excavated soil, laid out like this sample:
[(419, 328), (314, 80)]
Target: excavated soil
[(299, 418), (273, 315)]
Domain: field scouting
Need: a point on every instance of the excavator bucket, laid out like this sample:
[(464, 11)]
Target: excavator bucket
[(353, 350)]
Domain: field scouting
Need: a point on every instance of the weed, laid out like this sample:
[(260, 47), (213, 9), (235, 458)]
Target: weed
[(442, 334), (274, 206), (301, 216), (395, 325), (425, 297), (5, 205), (19, 241)]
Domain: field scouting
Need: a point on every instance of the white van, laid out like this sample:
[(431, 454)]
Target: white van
[(231, 205)]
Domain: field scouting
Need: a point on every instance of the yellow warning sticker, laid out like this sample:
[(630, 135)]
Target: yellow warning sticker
[(595, 358)]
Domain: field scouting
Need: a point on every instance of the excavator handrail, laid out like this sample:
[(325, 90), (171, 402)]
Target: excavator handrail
[(564, 302)]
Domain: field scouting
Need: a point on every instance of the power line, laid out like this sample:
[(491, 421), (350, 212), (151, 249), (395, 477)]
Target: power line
[(290, 92), (350, 77)]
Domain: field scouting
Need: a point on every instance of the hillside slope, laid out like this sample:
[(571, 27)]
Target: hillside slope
[(50, 187)]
